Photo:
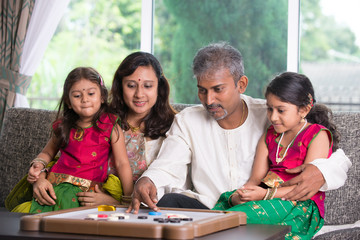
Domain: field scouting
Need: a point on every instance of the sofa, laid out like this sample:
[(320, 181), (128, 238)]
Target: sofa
[(25, 132)]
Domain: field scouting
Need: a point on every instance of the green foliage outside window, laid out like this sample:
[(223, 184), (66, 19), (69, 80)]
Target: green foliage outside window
[(93, 33), (321, 34), (257, 28), (101, 33)]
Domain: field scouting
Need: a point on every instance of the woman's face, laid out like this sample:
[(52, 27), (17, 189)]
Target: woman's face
[(140, 91)]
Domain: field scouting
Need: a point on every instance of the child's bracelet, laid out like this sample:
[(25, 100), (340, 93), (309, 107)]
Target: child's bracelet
[(267, 194), (229, 200), (270, 193), (273, 192), (46, 170), (39, 160)]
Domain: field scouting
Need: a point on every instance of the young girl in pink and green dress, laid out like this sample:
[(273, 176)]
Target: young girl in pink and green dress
[(300, 132), (85, 132)]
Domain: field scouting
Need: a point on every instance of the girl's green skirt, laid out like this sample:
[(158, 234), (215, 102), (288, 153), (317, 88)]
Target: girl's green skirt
[(65, 194), (303, 216)]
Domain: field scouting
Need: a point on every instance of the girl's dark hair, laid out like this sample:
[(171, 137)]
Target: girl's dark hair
[(297, 89), (161, 116), (66, 116)]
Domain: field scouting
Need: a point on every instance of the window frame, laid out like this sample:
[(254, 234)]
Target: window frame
[(147, 26), (293, 40)]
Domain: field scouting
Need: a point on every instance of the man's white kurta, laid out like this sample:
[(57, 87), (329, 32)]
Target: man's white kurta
[(198, 151)]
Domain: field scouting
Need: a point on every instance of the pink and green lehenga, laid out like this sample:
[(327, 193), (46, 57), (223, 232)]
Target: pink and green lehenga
[(304, 217)]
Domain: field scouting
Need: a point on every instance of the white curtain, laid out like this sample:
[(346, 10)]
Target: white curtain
[(43, 23)]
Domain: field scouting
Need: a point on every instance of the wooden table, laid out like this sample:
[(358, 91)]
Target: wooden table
[(10, 229)]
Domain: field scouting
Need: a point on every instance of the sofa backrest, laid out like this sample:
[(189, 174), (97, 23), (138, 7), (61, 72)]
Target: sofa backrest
[(342, 206), (26, 131)]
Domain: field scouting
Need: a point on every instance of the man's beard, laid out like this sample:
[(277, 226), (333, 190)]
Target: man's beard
[(215, 106)]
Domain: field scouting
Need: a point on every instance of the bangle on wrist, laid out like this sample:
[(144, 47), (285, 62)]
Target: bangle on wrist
[(46, 170), (270, 193), (39, 160), (267, 194), (229, 200)]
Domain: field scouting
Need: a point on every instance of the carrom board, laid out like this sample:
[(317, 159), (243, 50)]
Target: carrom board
[(192, 223)]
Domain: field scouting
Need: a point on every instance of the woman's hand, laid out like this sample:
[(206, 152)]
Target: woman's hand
[(97, 197), (43, 192)]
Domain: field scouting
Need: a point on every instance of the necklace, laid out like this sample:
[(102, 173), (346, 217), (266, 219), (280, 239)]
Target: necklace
[(279, 159), (79, 134), (132, 128)]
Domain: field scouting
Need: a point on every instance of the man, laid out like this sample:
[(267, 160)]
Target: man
[(210, 149)]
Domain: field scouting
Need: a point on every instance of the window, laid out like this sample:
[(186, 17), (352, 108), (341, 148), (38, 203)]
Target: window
[(329, 52), (101, 33), (92, 33), (257, 28)]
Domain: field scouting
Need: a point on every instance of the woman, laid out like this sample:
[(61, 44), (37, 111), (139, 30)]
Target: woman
[(140, 95)]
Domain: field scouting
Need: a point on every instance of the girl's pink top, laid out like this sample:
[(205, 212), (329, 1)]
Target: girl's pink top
[(87, 157), (295, 156)]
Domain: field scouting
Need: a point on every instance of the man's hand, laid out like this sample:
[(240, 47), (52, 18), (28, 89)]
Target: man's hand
[(308, 182), (97, 197), (144, 191), (44, 192)]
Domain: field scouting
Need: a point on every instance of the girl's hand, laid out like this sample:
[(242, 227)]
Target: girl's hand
[(96, 198), (251, 193), (34, 172), (44, 192)]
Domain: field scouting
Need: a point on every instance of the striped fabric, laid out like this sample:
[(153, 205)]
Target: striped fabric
[(14, 21), (303, 216)]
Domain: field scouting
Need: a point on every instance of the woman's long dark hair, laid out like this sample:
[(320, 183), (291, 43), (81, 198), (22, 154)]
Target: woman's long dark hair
[(66, 116), (161, 116), (297, 89)]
